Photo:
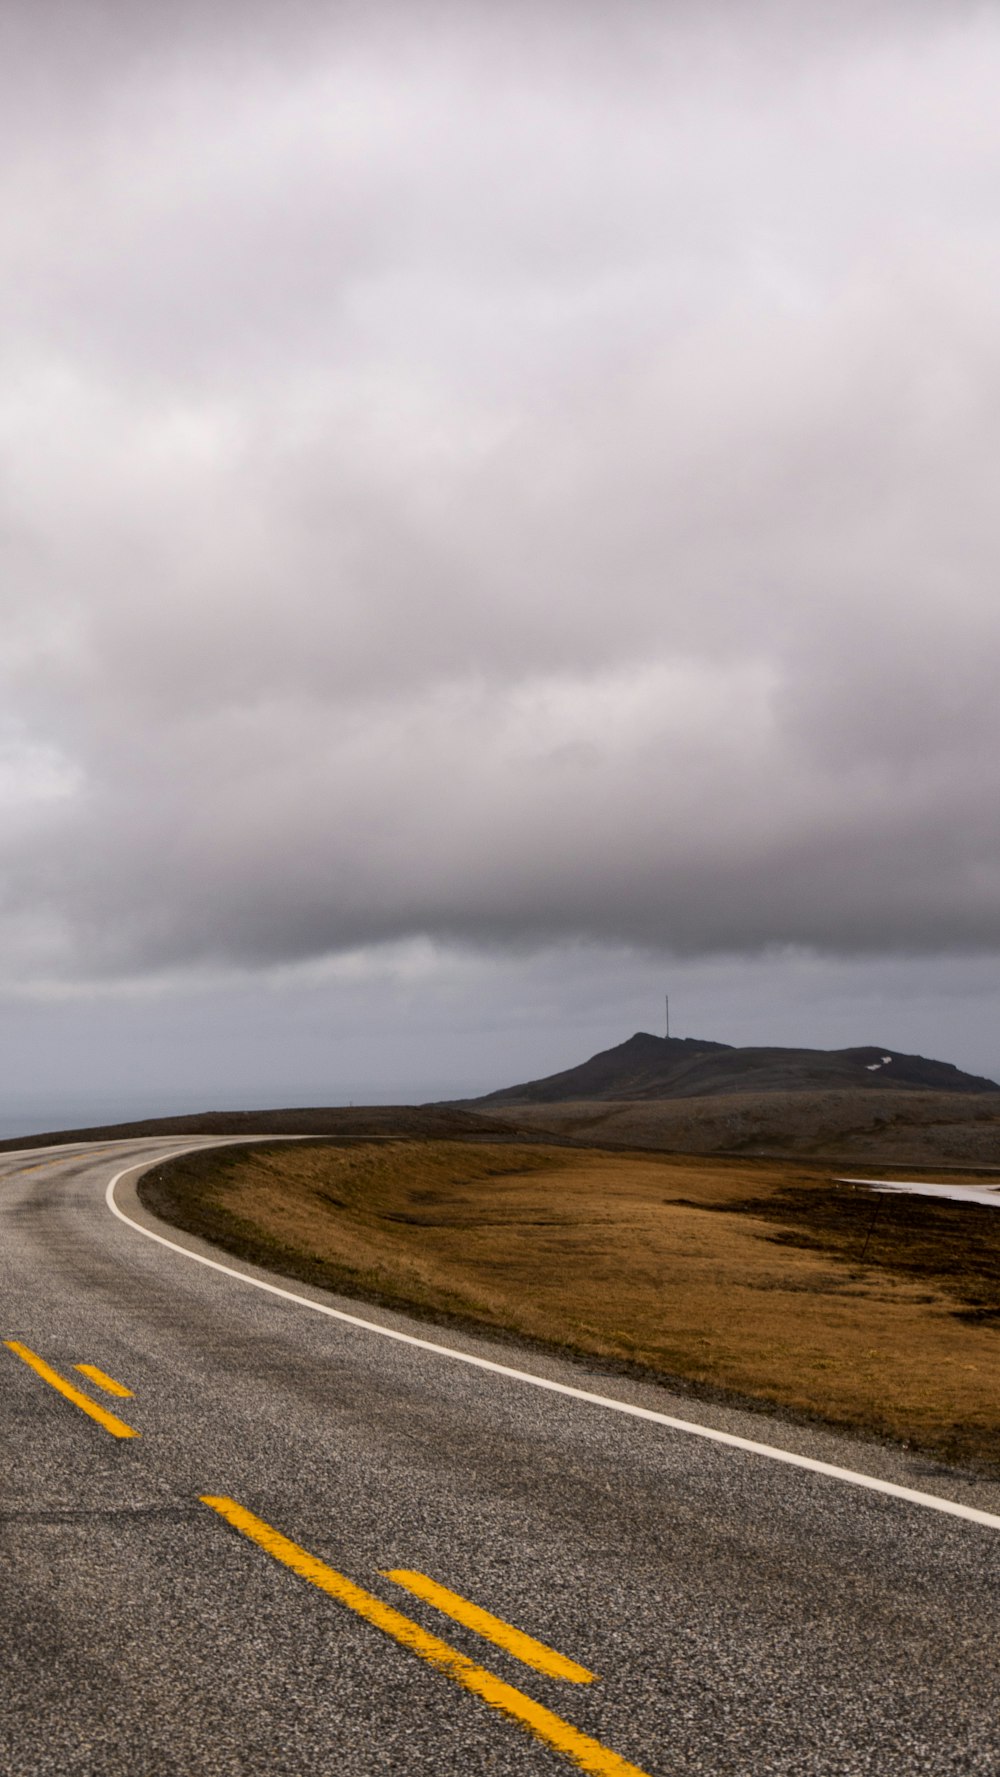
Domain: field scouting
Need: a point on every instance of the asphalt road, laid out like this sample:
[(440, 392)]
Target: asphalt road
[(739, 1615)]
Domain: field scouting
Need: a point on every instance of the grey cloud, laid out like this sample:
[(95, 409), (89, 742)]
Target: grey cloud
[(507, 498)]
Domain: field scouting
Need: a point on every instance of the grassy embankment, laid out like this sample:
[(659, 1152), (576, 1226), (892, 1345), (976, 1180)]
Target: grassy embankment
[(748, 1278)]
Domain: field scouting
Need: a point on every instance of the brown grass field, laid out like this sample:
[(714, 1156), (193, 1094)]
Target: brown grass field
[(759, 1281)]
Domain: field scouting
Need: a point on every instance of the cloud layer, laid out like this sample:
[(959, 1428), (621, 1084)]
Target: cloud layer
[(508, 480)]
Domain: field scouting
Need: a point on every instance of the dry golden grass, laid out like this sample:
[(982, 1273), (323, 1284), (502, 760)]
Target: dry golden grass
[(657, 1261)]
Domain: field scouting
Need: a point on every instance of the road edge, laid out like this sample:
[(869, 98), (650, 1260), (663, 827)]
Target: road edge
[(608, 1403)]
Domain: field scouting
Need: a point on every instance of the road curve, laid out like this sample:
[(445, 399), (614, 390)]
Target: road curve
[(294, 1546)]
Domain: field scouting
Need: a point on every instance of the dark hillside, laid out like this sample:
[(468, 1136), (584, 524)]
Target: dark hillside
[(649, 1067), (405, 1121)]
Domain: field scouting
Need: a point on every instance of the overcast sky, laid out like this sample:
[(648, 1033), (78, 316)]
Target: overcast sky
[(499, 515)]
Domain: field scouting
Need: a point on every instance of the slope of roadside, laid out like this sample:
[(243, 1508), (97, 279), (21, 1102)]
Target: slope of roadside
[(755, 1284)]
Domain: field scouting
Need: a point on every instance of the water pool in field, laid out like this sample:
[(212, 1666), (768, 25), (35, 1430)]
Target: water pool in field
[(988, 1194)]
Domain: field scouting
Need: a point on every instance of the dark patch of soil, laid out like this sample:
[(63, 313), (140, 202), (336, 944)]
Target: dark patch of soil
[(950, 1245)]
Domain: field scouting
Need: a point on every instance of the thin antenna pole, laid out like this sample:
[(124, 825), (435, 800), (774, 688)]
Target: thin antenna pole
[(667, 998)]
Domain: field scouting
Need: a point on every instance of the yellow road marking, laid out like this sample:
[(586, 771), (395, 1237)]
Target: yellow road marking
[(61, 1160), (116, 1427), (523, 1647), (587, 1754), (108, 1383)]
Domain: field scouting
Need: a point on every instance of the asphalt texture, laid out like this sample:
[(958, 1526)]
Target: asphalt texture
[(742, 1616)]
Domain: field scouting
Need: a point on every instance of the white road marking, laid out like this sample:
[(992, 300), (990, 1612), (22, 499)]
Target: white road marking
[(872, 1483)]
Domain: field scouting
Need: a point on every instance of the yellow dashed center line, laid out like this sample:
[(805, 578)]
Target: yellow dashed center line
[(60, 1160), (587, 1754), (108, 1383), (116, 1427), (513, 1641)]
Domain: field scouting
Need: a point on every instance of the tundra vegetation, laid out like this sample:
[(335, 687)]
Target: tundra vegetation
[(762, 1281)]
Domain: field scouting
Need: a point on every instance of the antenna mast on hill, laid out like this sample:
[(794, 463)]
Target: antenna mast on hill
[(667, 998)]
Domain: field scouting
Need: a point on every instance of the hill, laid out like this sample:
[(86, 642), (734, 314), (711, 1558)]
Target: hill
[(649, 1067), (436, 1122), (955, 1130)]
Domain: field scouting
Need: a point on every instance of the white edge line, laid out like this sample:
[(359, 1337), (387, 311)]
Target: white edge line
[(930, 1500)]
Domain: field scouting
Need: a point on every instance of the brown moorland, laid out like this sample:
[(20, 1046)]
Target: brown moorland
[(904, 1128), (762, 1281), (321, 1120)]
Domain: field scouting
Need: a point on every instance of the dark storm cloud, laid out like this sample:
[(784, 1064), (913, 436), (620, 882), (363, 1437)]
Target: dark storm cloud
[(504, 475)]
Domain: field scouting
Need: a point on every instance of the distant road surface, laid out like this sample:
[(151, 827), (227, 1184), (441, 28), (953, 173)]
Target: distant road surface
[(295, 1545)]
